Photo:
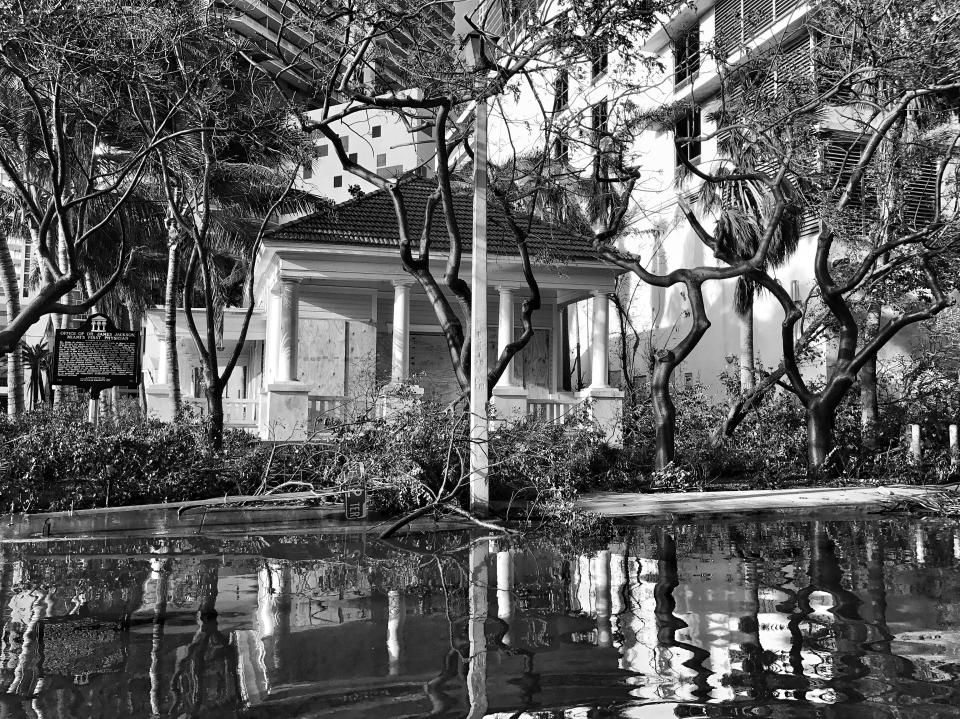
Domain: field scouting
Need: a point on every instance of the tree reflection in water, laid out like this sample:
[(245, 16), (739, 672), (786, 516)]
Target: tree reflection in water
[(831, 619)]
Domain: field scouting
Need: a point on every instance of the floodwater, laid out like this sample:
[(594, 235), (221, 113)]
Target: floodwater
[(761, 619)]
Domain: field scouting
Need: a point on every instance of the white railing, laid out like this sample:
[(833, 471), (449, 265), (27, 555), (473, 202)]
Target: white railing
[(551, 410), (236, 412), (326, 410)]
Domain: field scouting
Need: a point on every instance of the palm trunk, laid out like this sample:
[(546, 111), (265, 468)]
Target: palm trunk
[(747, 363), (170, 324), (11, 291), (664, 411)]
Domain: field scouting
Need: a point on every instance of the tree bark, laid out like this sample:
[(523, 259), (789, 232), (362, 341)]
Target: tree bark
[(747, 362), (11, 291), (869, 405), (214, 395), (170, 322), (664, 411), (819, 436)]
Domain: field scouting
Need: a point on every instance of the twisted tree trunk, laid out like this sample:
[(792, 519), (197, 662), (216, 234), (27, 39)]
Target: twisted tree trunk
[(820, 418), (664, 411)]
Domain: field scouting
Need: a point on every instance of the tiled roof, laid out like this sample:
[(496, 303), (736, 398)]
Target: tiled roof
[(370, 220)]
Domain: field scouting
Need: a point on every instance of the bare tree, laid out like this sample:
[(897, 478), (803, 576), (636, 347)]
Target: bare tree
[(877, 181), (66, 101), (224, 176)]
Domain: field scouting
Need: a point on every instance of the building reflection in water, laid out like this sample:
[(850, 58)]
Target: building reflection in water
[(860, 616)]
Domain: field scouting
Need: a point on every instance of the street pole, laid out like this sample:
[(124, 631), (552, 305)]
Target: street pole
[(479, 488)]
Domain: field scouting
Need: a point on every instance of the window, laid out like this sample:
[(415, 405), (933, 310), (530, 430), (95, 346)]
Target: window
[(686, 56), (601, 118), (307, 169), (323, 150), (688, 380), (352, 157), (338, 181), (599, 60), (381, 159), (561, 90), (376, 131), (688, 126)]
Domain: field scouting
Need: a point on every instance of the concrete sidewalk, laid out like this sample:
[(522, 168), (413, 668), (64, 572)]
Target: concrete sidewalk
[(748, 502)]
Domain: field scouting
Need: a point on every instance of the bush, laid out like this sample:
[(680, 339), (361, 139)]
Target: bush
[(423, 450), (769, 448), (54, 460)]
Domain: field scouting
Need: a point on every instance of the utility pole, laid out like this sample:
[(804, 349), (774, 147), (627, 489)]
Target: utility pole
[(479, 427)]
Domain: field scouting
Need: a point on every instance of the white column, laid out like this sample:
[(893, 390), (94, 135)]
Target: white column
[(505, 606), (556, 348), (602, 598), (400, 365), (272, 348), (915, 442), (289, 318), (601, 337), (505, 333), (163, 370)]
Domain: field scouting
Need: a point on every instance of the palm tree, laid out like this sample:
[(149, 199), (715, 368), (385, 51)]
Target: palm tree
[(742, 208), (36, 358)]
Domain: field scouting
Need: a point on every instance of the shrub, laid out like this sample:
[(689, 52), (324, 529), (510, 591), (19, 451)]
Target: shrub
[(54, 460)]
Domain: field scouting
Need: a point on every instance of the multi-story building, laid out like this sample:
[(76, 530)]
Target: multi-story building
[(691, 55)]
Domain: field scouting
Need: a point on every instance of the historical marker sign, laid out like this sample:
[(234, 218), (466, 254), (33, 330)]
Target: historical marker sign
[(96, 356)]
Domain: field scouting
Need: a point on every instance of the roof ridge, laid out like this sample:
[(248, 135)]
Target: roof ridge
[(345, 204)]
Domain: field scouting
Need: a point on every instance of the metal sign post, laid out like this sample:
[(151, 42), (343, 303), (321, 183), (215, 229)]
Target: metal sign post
[(93, 407)]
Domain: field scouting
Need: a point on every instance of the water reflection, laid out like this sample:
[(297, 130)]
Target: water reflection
[(824, 619)]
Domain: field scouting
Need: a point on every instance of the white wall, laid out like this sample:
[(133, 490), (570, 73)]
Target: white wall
[(396, 150)]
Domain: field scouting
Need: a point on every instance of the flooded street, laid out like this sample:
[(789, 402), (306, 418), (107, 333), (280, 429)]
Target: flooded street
[(772, 619)]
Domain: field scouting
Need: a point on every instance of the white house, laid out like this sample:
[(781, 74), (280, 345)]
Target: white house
[(337, 318)]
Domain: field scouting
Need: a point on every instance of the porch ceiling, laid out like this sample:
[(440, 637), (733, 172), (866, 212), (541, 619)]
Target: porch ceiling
[(232, 321)]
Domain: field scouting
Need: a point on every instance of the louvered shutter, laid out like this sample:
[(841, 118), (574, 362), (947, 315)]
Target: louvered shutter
[(785, 7), (840, 157), (728, 33), (757, 16), (920, 195), (795, 63)]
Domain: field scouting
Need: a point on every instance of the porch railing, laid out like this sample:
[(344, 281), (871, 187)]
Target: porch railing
[(236, 412), (553, 410), (326, 410)]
